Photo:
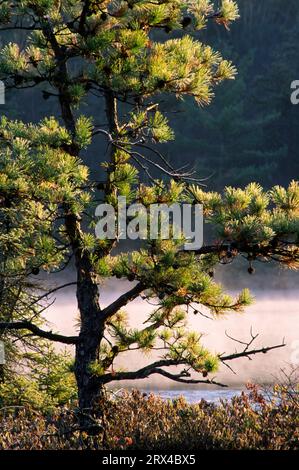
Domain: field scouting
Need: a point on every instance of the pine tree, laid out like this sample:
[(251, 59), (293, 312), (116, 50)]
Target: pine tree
[(274, 90), (253, 118), (42, 380), (240, 153), (74, 49)]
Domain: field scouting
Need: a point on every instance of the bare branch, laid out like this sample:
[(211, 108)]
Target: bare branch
[(253, 337), (26, 325), (252, 352), (178, 378), (52, 291)]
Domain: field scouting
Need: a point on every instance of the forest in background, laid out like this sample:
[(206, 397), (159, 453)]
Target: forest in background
[(248, 133), (255, 123)]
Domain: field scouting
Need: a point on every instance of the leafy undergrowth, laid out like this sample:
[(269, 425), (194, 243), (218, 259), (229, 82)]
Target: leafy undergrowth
[(139, 421)]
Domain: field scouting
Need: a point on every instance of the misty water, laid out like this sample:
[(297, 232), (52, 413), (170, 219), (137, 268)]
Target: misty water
[(274, 316)]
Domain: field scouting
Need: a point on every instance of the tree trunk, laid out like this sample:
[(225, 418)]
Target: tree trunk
[(91, 333), (87, 350), (92, 324), (90, 336)]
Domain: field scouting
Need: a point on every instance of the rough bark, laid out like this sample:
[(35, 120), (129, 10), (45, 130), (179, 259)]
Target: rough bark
[(92, 325)]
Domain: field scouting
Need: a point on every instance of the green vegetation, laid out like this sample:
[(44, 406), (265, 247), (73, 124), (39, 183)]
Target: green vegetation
[(129, 56), (41, 380), (136, 421), (249, 132)]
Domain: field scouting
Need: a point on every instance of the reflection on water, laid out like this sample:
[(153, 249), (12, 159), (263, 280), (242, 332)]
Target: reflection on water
[(194, 396)]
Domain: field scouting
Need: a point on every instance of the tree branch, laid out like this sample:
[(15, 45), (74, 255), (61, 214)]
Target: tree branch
[(52, 291), (26, 325), (250, 353), (142, 373), (155, 368), (178, 378), (122, 301)]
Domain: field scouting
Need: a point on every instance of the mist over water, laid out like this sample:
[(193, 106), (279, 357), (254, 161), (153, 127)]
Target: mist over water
[(274, 316)]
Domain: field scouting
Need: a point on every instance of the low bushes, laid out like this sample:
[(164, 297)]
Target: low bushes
[(138, 421)]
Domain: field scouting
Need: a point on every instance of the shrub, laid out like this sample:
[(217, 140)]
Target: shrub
[(139, 421)]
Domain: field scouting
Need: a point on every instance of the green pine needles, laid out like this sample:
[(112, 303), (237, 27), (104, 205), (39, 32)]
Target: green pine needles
[(127, 55)]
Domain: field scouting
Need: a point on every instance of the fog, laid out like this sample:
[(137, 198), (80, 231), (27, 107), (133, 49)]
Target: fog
[(274, 316)]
